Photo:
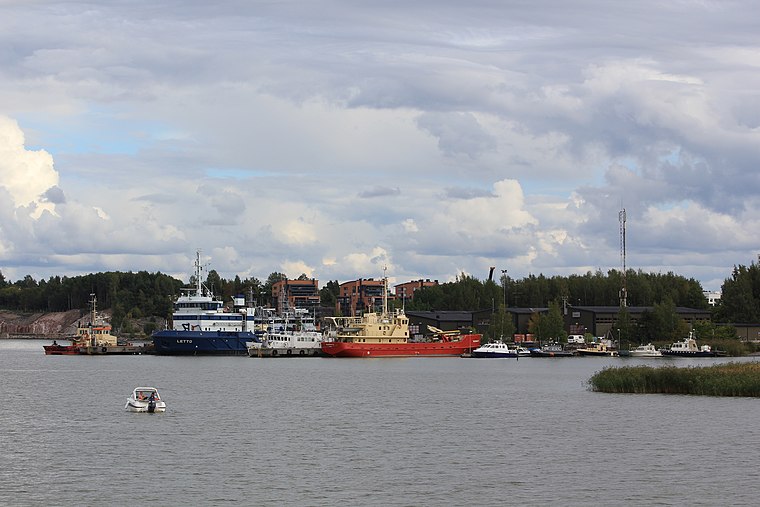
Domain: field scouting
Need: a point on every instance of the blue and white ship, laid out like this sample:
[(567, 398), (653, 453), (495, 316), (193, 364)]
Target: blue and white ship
[(201, 326)]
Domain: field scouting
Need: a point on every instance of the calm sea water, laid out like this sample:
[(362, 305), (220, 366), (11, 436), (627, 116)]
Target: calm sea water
[(319, 431)]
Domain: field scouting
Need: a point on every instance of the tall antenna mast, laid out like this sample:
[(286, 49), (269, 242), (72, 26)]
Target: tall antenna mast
[(623, 289), (385, 291)]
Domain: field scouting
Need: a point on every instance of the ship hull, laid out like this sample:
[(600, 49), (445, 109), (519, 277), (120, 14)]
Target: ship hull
[(682, 353), (408, 349), (202, 343), (61, 350)]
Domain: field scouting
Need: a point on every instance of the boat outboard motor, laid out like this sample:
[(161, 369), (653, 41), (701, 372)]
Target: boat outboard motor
[(151, 406)]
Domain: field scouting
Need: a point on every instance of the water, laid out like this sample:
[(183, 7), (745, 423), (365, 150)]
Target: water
[(319, 431)]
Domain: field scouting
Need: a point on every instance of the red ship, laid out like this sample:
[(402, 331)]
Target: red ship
[(60, 350), (387, 335)]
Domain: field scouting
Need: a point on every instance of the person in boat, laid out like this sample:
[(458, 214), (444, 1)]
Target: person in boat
[(55, 343), (152, 397), (140, 396)]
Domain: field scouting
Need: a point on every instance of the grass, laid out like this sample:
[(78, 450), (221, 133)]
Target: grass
[(727, 379)]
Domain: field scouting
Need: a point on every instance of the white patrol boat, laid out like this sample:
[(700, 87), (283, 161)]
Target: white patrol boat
[(296, 336)]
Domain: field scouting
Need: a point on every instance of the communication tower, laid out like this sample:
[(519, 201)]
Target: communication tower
[(623, 289)]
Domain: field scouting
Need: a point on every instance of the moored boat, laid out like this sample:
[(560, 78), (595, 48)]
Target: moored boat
[(647, 350), (386, 334), (688, 348), (500, 349), (551, 350), (596, 349), (201, 326), (56, 349), (145, 399), (281, 340)]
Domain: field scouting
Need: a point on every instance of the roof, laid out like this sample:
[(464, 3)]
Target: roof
[(443, 315)]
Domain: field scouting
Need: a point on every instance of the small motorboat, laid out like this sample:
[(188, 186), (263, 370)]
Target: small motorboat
[(647, 350), (551, 350), (596, 349), (145, 399), (499, 349)]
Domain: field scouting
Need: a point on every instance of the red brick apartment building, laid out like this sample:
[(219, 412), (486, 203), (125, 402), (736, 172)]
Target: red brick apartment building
[(406, 290), (290, 294), (360, 296)]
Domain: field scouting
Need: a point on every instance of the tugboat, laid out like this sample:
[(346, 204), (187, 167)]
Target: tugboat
[(386, 334), (93, 338), (688, 348), (201, 326)]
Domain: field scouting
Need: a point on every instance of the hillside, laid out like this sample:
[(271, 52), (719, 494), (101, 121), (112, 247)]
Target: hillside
[(38, 325)]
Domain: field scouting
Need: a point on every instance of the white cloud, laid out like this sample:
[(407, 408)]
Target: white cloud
[(26, 174), (331, 141)]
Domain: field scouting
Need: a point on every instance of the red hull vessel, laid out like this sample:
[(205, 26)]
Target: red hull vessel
[(386, 334), (465, 343), (61, 350)]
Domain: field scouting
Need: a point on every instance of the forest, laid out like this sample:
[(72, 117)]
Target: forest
[(145, 294)]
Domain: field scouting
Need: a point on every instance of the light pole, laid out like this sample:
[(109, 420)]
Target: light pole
[(504, 283)]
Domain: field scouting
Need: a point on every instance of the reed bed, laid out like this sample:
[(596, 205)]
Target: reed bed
[(727, 379)]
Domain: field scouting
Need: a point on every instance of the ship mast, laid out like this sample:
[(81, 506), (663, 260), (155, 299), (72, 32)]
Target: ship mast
[(623, 289), (385, 291)]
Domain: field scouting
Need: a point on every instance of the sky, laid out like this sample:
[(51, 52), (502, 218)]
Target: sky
[(340, 139)]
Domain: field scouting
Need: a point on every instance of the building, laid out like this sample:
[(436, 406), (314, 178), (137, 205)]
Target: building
[(404, 291), (713, 297), (290, 294), (360, 296), (448, 320), (599, 320)]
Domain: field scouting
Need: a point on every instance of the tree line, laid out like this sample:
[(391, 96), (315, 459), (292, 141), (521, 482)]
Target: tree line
[(144, 294)]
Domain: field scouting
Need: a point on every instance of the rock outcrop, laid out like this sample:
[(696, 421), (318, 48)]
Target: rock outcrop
[(39, 325)]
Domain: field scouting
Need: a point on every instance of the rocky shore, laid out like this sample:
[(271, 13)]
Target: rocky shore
[(53, 325)]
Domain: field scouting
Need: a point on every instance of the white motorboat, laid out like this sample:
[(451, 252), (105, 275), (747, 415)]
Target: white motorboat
[(500, 349), (145, 399), (647, 350), (688, 348)]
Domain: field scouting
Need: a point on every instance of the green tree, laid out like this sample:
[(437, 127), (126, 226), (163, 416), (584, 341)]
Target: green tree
[(554, 324), (624, 328), (328, 294)]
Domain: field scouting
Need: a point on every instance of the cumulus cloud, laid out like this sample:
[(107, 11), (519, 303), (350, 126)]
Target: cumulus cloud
[(446, 140), (27, 175)]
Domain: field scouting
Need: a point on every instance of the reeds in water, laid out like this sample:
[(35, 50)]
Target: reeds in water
[(728, 379)]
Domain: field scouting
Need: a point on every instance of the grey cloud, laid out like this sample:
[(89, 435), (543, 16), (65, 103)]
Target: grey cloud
[(54, 195), (379, 191)]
